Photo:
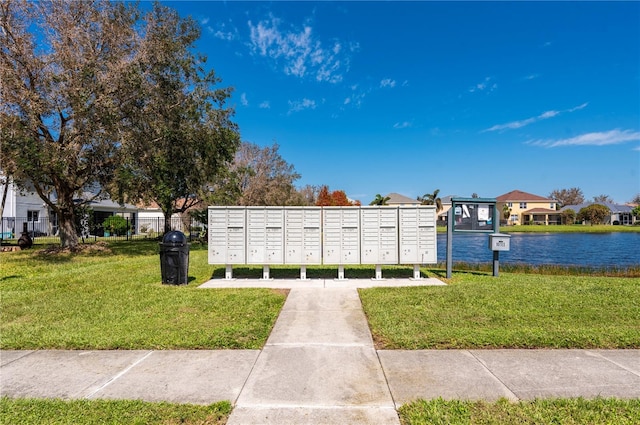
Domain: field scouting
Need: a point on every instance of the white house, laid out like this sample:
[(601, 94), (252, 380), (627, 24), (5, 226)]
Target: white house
[(26, 207)]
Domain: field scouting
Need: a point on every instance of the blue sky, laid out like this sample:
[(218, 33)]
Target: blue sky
[(409, 97)]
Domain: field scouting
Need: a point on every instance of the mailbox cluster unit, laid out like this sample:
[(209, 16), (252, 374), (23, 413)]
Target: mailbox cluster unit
[(322, 235)]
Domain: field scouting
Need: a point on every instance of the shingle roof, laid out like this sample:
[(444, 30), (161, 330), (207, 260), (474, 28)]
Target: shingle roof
[(541, 211), (396, 198), (615, 208), (518, 195)]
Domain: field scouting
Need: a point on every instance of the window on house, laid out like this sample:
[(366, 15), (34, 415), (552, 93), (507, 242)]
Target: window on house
[(509, 204), (514, 217), (552, 206), (523, 205), (33, 216)]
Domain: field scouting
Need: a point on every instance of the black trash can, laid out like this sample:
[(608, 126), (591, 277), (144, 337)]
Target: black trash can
[(174, 258)]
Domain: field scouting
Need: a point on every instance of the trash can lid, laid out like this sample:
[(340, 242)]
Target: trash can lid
[(174, 238)]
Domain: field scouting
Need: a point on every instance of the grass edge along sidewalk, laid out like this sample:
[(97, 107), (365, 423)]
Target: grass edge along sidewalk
[(438, 411)]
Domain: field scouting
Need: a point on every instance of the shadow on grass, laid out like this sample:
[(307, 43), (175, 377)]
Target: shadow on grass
[(315, 272)]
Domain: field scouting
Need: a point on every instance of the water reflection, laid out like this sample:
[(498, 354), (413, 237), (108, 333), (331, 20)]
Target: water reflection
[(582, 249)]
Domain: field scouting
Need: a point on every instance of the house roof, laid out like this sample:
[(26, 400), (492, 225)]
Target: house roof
[(396, 198), (541, 211), (518, 195), (615, 208)]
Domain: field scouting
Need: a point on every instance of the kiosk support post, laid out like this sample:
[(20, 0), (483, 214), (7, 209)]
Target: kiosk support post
[(496, 254), (450, 219)]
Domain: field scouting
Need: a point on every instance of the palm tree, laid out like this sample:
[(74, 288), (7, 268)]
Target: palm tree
[(431, 199), (380, 200), (506, 212)]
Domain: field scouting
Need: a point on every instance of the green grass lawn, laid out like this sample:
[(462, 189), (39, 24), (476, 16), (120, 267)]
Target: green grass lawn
[(110, 297), (569, 228), (565, 228), (113, 299), (116, 412), (576, 411), (513, 311)]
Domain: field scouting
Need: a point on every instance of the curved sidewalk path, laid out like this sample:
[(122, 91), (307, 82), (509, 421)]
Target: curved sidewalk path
[(319, 365)]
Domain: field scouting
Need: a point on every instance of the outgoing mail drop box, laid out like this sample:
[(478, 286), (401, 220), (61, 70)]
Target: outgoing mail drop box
[(499, 242)]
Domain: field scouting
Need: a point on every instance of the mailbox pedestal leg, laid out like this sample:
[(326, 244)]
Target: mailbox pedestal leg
[(303, 272), (341, 273), (416, 272), (265, 272), (378, 272), (496, 263), (228, 272)]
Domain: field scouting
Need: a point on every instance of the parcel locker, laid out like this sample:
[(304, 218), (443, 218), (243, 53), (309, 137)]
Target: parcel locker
[(303, 235), (418, 243), (341, 235), (379, 232), (227, 240)]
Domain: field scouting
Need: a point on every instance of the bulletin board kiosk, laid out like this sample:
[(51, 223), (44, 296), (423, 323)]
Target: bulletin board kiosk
[(476, 215)]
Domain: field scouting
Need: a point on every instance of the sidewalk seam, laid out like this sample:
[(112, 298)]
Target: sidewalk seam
[(603, 357), (118, 375), (514, 397)]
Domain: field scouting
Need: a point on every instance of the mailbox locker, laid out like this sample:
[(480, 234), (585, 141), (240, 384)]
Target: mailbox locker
[(227, 235), (418, 243), (379, 231), (341, 235), (303, 243), (265, 235)]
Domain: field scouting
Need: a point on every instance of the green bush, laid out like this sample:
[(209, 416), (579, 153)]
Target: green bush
[(116, 225)]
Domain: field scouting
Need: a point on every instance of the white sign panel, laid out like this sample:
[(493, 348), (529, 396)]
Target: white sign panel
[(418, 243), (303, 233), (227, 235), (341, 244), (379, 231)]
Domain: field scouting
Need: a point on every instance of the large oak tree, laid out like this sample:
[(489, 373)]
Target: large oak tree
[(95, 97)]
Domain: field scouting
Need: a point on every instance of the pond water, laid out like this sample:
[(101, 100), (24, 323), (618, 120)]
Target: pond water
[(565, 249)]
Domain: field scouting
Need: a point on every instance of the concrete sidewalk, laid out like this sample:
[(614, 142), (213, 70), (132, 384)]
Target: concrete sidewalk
[(319, 366)]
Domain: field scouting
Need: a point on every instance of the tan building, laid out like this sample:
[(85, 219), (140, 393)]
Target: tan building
[(527, 208)]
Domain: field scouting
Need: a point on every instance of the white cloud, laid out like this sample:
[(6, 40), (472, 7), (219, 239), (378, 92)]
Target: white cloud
[(531, 76), (355, 99), (485, 85), (300, 105), (605, 138), (404, 124), (543, 116), (221, 30), (387, 82), (265, 105), (298, 51), (243, 99)]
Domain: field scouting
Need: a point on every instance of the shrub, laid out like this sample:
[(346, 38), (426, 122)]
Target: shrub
[(116, 225)]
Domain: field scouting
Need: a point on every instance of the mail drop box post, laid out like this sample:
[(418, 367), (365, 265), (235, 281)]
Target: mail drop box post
[(499, 242), (227, 237)]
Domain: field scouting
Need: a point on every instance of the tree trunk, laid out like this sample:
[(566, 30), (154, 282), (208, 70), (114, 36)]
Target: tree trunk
[(67, 226), (4, 197), (167, 220)]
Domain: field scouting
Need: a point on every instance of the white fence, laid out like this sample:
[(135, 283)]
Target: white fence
[(322, 235)]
